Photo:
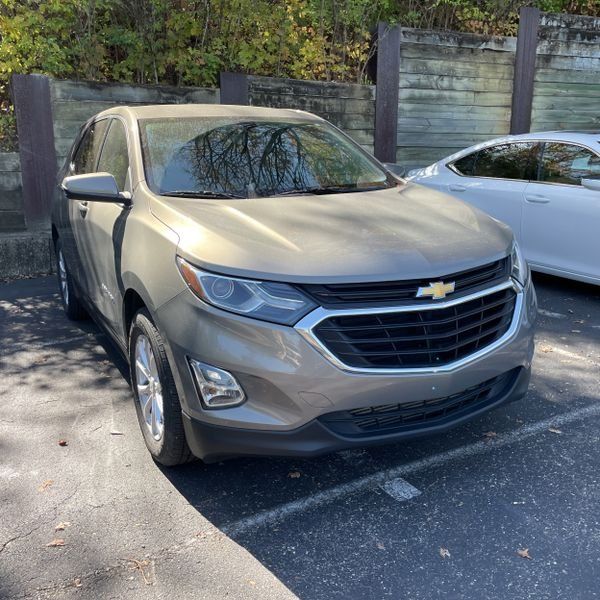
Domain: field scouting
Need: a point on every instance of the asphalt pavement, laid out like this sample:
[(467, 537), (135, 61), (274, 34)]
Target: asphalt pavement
[(507, 506)]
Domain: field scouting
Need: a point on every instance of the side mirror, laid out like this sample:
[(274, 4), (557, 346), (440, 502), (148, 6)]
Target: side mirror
[(395, 169), (591, 184), (96, 187)]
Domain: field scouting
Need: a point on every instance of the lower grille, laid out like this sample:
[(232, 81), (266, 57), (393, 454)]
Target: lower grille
[(420, 338), (412, 416)]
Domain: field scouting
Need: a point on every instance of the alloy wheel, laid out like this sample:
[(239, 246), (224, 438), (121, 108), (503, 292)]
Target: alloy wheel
[(62, 275), (149, 389)]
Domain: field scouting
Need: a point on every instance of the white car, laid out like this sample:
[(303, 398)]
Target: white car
[(546, 186)]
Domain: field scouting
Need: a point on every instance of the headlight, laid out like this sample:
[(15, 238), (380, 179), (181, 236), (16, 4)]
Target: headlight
[(520, 269), (266, 300)]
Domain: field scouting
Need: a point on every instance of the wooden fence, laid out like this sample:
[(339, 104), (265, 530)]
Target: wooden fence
[(350, 107), (435, 93)]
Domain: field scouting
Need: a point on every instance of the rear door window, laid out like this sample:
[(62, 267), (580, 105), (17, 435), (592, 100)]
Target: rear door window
[(504, 161), (568, 164)]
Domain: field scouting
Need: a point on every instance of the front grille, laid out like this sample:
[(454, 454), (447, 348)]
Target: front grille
[(419, 338), (393, 292), (412, 416)]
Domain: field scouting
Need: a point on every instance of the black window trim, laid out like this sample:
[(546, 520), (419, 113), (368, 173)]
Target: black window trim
[(542, 143)]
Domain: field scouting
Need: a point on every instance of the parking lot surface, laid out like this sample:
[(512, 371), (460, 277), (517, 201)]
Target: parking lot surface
[(504, 507)]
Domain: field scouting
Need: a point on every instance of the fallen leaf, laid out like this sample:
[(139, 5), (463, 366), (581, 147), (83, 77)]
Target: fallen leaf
[(56, 542), (490, 435), (62, 526), (294, 474), (554, 430), (139, 565), (45, 485), (546, 349), (63, 443), (444, 552), (524, 553)]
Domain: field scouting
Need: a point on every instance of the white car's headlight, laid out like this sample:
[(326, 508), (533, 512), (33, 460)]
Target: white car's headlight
[(265, 300), (520, 269)]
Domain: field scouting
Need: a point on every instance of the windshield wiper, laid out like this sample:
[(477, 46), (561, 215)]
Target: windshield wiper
[(330, 189), (199, 194)]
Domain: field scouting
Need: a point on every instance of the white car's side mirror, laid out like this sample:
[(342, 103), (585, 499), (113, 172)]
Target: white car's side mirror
[(591, 184)]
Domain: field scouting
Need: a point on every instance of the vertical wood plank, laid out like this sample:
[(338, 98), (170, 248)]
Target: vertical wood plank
[(234, 88), (522, 97), (31, 98), (386, 98)]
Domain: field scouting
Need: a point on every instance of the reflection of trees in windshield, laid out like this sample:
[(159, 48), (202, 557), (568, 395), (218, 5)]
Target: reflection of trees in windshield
[(267, 158)]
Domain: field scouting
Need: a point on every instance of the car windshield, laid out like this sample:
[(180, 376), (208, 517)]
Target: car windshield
[(225, 157)]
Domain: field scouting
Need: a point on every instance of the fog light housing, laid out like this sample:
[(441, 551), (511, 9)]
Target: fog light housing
[(218, 388)]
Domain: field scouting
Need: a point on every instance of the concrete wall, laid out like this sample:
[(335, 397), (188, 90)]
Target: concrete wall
[(566, 91), (351, 107), (11, 208), (74, 102), (455, 91)]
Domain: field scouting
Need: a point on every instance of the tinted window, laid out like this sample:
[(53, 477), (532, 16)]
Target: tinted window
[(566, 163), (86, 155), (505, 161), (466, 164), (249, 157), (114, 158)]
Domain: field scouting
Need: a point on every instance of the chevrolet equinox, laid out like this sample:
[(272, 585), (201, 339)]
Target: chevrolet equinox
[(277, 290)]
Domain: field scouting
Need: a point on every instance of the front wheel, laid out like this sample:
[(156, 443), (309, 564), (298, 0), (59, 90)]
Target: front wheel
[(71, 301), (157, 403)]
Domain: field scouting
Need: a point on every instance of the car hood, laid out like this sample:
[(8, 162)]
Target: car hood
[(399, 233)]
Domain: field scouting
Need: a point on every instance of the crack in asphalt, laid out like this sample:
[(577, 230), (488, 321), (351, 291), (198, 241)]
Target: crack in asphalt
[(54, 510)]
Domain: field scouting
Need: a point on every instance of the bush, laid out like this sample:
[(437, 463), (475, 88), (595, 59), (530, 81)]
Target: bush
[(188, 42)]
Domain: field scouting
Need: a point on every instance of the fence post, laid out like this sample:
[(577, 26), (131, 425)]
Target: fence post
[(387, 91), (234, 88), (522, 96), (31, 99)]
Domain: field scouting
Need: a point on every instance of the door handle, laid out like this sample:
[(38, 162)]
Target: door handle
[(537, 199), (83, 207), (456, 187)]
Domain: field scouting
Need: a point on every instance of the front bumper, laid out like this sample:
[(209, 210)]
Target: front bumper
[(290, 384), (213, 443)]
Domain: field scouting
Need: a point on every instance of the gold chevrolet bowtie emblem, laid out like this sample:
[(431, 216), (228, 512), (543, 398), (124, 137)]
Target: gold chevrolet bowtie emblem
[(436, 289)]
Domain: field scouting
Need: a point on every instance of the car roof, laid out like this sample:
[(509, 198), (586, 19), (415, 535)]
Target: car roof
[(564, 135), (165, 111)]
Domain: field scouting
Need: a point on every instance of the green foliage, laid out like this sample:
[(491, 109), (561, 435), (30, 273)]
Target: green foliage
[(188, 42)]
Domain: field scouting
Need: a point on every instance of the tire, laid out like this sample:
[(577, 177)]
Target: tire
[(70, 298), (155, 392)]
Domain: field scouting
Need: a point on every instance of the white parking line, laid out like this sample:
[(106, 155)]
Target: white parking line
[(380, 478), (549, 313), (399, 489), (572, 355)]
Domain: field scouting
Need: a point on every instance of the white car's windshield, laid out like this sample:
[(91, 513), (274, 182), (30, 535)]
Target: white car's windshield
[(245, 158)]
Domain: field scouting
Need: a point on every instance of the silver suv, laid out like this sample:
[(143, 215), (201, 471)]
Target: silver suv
[(277, 290)]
